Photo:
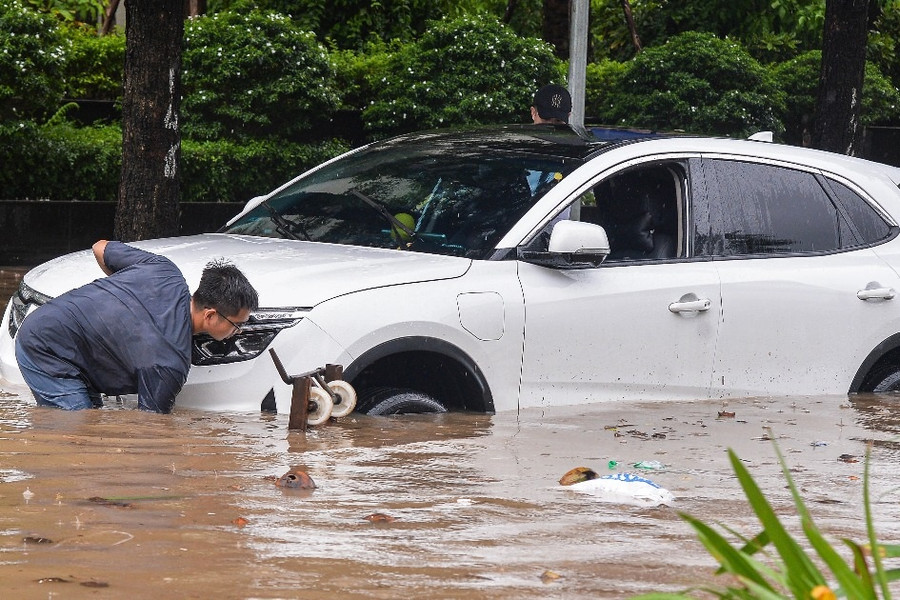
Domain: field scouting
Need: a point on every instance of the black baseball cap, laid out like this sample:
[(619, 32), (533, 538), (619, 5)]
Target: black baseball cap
[(553, 102)]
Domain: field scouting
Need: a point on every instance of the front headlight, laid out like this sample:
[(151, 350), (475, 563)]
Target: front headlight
[(255, 336), (22, 303)]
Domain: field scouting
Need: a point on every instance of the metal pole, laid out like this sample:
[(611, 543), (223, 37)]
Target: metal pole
[(579, 11)]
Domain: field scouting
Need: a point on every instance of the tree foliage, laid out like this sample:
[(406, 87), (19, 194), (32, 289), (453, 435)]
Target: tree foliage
[(32, 59), (469, 70), (698, 83), (253, 75), (799, 77), (94, 64)]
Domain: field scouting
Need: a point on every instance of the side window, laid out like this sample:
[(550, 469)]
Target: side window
[(764, 209), (869, 224), (641, 209)]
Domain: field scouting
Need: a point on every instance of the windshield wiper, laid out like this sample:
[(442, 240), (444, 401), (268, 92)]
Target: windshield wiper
[(384, 212), (282, 225)]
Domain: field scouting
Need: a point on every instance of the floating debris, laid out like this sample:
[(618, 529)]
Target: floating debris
[(577, 475), (95, 584), (28, 494), (619, 488), (724, 414), (239, 522), (380, 518), (649, 465), (52, 580), (818, 444), (297, 480), (110, 502), (549, 576), (848, 458), (34, 539)]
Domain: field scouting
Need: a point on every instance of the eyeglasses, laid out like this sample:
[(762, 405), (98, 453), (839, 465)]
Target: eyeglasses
[(237, 328)]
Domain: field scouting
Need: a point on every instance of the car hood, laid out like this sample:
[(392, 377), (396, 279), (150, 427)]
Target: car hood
[(284, 272)]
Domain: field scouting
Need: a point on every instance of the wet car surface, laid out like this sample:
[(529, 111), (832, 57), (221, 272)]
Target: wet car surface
[(500, 269)]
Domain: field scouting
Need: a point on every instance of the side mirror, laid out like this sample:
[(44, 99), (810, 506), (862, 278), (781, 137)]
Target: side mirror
[(573, 245)]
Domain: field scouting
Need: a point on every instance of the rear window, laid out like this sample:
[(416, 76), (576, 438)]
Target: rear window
[(871, 227)]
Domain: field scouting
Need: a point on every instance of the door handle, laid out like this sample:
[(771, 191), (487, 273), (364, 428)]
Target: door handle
[(689, 303), (874, 291)]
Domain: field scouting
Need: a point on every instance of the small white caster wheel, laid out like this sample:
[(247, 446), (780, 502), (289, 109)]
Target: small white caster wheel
[(320, 406), (346, 401)]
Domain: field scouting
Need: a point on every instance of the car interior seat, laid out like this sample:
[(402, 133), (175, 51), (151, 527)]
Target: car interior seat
[(638, 210)]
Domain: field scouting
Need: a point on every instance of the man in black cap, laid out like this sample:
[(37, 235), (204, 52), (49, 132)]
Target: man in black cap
[(552, 104)]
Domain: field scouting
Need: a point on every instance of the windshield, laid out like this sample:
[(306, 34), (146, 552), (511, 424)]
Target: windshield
[(457, 198)]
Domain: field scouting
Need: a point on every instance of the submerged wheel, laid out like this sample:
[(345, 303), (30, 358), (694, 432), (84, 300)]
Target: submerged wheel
[(346, 401), (320, 406), (397, 401), (885, 378)]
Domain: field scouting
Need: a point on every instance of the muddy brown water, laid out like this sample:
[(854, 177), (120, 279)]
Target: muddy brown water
[(191, 507)]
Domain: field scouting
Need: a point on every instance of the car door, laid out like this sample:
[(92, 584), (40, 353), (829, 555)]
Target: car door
[(803, 300), (638, 326)]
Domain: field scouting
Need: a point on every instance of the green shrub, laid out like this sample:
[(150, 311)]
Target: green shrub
[(59, 161), (32, 59), (253, 75), (799, 78), (698, 83), (95, 65), (227, 171), (600, 78), (471, 70)]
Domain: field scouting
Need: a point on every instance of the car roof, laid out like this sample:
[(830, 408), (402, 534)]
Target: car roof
[(547, 140), (581, 144)]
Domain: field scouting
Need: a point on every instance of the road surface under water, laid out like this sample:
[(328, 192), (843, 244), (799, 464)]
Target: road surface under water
[(193, 510), (116, 503)]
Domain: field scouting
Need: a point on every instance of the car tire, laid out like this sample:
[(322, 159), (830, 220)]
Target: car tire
[(397, 401), (885, 379)]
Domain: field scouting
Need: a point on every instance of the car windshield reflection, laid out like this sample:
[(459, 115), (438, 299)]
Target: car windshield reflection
[(432, 198)]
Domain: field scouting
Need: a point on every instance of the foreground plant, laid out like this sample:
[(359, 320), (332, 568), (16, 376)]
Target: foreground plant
[(789, 572)]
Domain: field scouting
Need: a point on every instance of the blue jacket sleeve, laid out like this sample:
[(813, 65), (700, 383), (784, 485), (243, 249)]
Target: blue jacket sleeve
[(157, 388)]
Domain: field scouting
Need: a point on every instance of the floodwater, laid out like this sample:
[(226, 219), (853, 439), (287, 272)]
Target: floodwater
[(116, 503)]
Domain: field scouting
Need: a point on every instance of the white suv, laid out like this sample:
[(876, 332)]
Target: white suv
[(492, 269)]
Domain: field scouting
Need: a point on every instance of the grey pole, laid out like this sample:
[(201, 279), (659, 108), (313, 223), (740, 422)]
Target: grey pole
[(578, 42)]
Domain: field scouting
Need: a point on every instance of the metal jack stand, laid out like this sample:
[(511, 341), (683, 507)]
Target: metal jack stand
[(313, 405)]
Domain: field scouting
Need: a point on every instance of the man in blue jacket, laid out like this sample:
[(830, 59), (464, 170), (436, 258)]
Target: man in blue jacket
[(130, 332)]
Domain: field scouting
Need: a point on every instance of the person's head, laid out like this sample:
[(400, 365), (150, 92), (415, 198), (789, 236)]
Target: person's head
[(223, 300), (552, 104)]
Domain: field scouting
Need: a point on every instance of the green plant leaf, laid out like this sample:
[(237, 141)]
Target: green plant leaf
[(853, 585), (802, 574), (731, 559)]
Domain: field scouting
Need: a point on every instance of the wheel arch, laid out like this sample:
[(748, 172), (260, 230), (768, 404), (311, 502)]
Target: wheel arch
[(886, 351), (426, 364)]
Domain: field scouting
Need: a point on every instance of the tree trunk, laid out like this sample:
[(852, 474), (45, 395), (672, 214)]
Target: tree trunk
[(510, 10), (151, 140), (556, 26), (836, 125), (629, 20)]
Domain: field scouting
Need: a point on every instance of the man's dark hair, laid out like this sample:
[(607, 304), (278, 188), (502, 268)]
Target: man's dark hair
[(224, 288)]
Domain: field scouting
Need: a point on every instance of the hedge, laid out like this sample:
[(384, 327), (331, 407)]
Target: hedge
[(59, 161)]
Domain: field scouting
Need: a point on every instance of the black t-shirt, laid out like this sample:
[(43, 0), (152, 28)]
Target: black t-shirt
[(123, 334)]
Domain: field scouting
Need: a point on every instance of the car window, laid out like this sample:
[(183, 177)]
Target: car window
[(641, 209), (457, 202), (870, 226), (766, 209)]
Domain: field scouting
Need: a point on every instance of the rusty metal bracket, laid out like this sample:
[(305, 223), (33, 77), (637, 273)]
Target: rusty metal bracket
[(301, 383)]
